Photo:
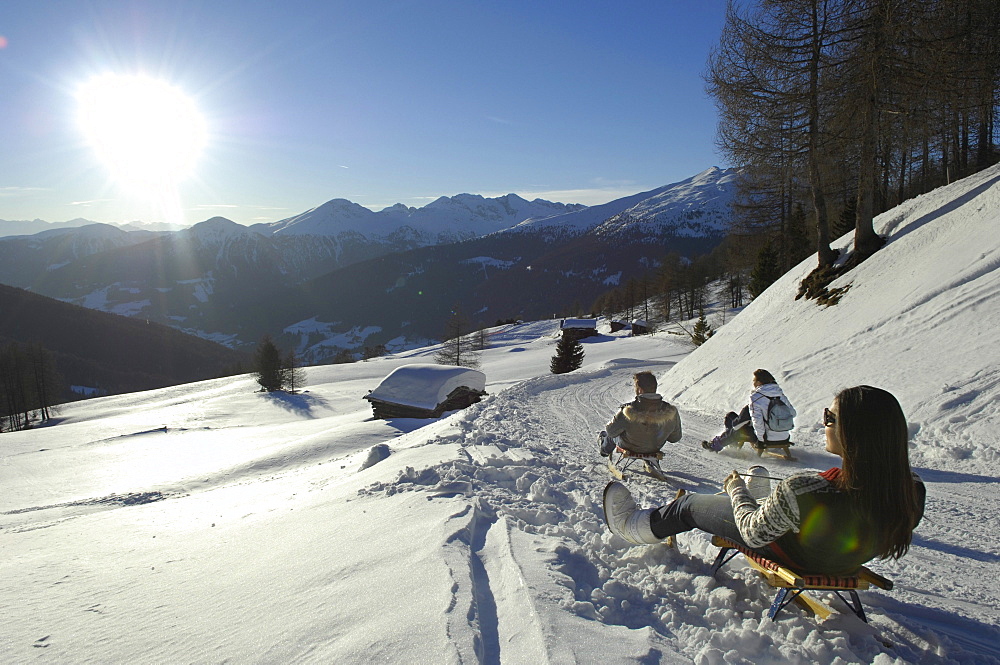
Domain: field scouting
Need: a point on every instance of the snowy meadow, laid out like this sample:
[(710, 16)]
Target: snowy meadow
[(211, 523)]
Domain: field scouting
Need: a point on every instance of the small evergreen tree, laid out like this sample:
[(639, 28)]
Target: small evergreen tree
[(267, 365), (845, 223), (702, 330), (373, 351), (343, 356), (569, 356), (797, 241), (765, 272)]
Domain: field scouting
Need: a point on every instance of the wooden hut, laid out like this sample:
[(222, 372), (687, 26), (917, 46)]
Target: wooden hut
[(578, 328), (640, 328), (618, 325), (426, 390)]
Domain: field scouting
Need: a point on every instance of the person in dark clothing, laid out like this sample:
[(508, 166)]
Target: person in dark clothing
[(644, 424), (822, 523)]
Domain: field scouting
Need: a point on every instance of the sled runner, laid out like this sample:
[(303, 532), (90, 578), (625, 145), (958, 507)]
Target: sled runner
[(793, 587), (621, 461), (772, 448)]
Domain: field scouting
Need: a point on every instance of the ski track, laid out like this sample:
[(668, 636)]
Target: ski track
[(530, 473)]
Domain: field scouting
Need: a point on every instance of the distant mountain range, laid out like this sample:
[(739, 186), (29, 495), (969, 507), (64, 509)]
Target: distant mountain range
[(445, 220), (343, 276), (31, 227)]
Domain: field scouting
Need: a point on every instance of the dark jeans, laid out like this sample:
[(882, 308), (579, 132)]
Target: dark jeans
[(712, 513), (709, 512), (735, 434)]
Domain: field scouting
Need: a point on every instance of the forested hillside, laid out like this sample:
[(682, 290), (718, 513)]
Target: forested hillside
[(109, 353)]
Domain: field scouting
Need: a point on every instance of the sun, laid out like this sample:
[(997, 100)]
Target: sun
[(148, 133)]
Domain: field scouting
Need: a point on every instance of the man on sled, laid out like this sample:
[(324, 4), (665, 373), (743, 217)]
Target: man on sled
[(640, 428)]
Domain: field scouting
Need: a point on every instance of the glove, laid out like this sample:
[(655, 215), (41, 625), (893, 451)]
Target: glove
[(732, 482)]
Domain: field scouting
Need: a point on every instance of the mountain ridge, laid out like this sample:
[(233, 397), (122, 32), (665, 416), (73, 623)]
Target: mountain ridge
[(231, 283)]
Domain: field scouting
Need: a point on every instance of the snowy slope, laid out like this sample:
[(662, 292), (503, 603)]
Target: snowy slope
[(937, 277), (255, 528)]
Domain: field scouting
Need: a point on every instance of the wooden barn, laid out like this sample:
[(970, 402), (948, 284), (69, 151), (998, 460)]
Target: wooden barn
[(618, 325), (578, 328), (426, 390), (640, 328)]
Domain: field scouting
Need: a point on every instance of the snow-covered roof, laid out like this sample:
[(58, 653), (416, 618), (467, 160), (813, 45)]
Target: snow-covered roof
[(578, 323), (425, 385)]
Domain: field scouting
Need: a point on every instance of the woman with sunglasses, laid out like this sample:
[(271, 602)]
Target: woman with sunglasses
[(826, 523)]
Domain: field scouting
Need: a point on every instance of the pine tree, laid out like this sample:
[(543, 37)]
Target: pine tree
[(569, 356), (267, 365), (845, 223), (797, 243), (766, 272), (702, 330), (373, 351)]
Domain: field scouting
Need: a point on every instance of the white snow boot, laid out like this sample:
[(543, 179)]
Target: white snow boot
[(624, 517), (759, 487)]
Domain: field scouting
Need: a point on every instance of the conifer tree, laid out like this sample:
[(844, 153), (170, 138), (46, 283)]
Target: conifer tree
[(702, 330), (568, 357), (267, 365), (765, 272)]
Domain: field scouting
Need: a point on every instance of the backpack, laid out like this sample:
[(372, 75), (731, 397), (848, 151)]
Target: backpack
[(779, 415)]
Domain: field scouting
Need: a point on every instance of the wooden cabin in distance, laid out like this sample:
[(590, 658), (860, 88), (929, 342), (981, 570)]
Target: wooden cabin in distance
[(640, 328), (426, 390), (578, 328)]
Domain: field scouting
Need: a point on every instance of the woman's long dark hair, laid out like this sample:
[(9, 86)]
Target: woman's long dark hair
[(876, 471)]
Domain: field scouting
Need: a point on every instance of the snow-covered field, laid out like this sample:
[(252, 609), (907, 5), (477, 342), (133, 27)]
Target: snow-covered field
[(273, 529)]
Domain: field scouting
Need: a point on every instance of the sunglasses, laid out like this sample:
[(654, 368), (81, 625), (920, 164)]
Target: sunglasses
[(829, 418)]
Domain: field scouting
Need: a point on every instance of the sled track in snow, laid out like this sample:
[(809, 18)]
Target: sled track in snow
[(531, 467)]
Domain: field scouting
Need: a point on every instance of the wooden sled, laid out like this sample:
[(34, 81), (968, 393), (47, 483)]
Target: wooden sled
[(621, 461), (793, 587), (772, 448)]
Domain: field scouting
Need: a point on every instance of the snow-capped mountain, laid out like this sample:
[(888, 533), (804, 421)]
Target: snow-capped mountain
[(35, 226), (447, 219), (24, 227), (348, 276), (25, 259), (696, 207)]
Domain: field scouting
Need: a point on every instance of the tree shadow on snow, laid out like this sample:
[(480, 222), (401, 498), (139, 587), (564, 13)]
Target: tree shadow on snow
[(301, 404)]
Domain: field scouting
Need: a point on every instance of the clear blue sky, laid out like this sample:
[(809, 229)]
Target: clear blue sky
[(374, 101)]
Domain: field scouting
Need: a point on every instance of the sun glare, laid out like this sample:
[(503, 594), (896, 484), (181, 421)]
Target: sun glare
[(147, 132)]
